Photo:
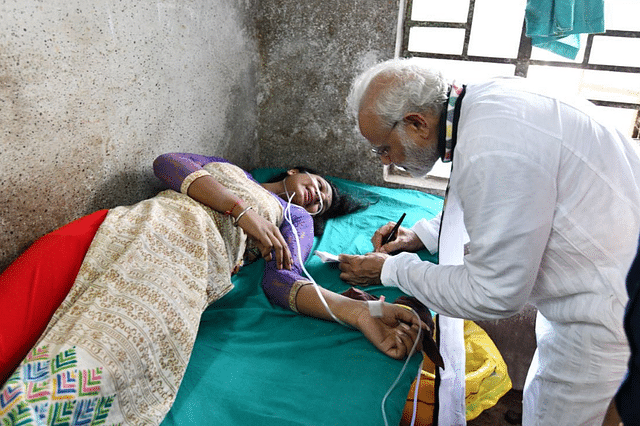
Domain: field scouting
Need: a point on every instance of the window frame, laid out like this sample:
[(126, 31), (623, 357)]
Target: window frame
[(523, 59)]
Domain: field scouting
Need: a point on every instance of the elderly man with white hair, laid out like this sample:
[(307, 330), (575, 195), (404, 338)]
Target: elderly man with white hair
[(549, 198)]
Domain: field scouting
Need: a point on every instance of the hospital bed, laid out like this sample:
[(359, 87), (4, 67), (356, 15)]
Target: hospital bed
[(254, 363)]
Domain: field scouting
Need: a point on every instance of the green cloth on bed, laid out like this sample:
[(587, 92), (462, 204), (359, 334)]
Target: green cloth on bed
[(260, 365)]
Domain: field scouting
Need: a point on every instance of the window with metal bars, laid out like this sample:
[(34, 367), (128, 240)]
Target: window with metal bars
[(474, 39)]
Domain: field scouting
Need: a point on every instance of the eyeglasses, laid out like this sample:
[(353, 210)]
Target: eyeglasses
[(384, 149), (381, 151)]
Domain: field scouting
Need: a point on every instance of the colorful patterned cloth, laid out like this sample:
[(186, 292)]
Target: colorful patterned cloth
[(450, 118)]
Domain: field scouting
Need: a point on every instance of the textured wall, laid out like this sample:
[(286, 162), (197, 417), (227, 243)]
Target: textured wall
[(310, 52), (91, 91)]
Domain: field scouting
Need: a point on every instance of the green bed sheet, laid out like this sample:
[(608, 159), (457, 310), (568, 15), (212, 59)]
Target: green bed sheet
[(260, 365)]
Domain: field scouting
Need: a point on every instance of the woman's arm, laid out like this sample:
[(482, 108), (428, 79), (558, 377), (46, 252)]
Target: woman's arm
[(174, 169), (393, 333), (281, 285), (210, 192)]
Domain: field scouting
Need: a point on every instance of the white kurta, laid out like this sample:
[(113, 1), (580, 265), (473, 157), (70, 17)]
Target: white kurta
[(551, 202)]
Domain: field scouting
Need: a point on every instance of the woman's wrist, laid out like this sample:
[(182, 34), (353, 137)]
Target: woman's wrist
[(230, 211), (351, 311), (244, 211), (347, 310), (236, 208)]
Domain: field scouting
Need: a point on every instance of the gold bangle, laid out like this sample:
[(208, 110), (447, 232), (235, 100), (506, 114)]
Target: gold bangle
[(237, 219)]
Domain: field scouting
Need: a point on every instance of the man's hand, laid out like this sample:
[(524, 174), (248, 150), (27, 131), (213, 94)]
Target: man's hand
[(362, 270), (407, 240)]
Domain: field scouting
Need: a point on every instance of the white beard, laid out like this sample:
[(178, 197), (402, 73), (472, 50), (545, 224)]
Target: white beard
[(418, 161)]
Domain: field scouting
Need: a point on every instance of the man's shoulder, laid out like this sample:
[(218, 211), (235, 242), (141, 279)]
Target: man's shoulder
[(506, 88)]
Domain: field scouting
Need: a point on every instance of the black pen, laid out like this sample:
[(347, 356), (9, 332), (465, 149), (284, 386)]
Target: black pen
[(394, 232)]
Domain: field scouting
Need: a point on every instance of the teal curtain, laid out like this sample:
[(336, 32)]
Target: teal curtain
[(556, 25)]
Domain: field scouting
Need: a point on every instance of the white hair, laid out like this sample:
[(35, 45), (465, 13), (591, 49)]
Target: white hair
[(412, 88), (418, 160)]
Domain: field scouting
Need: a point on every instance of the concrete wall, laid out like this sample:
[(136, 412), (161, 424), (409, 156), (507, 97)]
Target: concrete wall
[(311, 51), (91, 91)]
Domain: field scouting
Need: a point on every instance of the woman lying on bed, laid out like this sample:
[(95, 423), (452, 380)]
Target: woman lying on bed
[(117, 347), (284, 281)]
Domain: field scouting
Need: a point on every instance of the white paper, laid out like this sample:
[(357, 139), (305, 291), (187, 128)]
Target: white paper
[(326, 257)]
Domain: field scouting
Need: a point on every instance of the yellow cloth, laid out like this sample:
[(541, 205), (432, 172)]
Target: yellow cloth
[(486, 379), (486, 376)]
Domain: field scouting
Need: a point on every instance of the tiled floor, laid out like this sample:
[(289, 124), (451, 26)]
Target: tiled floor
[(507, 412)]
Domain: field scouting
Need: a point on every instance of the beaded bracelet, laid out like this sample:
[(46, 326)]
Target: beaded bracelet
[(235, 222), (228, 212)]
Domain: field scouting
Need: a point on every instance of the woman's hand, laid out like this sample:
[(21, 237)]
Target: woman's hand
[(407, 240), (267, 237), (394, 333), (210, 192)]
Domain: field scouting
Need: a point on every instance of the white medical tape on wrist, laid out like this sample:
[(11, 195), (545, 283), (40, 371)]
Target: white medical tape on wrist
[(375, 308)]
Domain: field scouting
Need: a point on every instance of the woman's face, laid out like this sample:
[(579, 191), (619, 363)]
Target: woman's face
[(312, 192)]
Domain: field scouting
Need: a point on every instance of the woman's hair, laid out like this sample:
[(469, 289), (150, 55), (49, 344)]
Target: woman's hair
[(412, 87), (342, 203)]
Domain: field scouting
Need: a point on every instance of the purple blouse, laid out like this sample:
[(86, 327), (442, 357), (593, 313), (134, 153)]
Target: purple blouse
[(280, 285)]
